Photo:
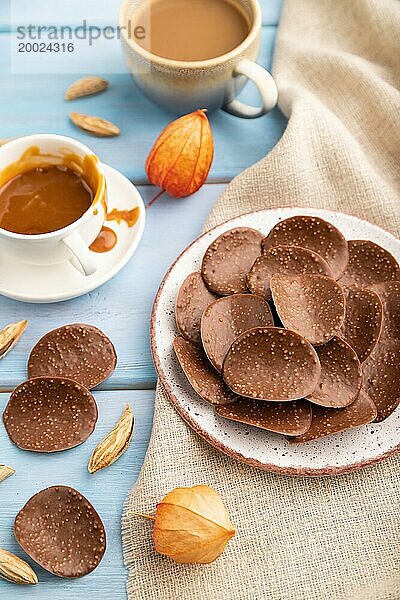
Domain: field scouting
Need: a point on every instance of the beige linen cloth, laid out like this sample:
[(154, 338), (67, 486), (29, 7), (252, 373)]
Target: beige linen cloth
[(337, 66)]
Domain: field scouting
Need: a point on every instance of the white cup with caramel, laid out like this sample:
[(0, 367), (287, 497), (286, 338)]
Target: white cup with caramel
[(53, 201)]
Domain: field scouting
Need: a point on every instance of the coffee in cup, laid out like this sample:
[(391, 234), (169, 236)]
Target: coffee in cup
[(190, 31), (191, 54)]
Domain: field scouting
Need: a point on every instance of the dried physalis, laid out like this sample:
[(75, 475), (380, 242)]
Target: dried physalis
[(192, 525), (5, 472), (16, 570), (114, 444), (10, 335), (181, 157)]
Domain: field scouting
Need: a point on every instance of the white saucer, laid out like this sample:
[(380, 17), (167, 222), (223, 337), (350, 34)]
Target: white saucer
[(30, 283)]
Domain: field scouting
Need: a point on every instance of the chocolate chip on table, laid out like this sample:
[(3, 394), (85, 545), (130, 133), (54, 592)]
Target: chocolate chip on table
[(60, 530), (312, 305), (315, 234), (227, 318), (50, 414), (78, 351), (229, 258)]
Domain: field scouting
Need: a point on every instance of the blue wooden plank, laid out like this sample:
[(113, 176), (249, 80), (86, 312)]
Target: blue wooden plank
[(33, 103), (122, 306), (96, 12), (106, 489)]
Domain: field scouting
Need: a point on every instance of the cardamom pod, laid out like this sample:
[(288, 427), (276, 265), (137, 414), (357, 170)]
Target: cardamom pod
[(16, 570), (114, 444), (6, 472), (95, 125), (87, 86), (10, 335)]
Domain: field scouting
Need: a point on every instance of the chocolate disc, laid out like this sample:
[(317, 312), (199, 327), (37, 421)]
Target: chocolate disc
[(60, 530), (341, 375), (192, 299), (269, 363), (203, 378), (228, 260), (326, 421), (50, 414), (312, 305), (289, 418), (227, 318), (389, 295), (285, 260), (79, 352), (369, 264), (363, 321), (381, 377), (315, 234)]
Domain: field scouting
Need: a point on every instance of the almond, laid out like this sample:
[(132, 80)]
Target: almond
[(114, 444), (10, 335), (6, 472), (16, 570), (95, 125), (87, 86)]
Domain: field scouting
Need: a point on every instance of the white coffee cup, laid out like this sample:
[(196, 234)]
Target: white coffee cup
[(72, 242)]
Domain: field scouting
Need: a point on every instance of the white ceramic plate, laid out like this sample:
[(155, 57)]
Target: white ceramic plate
[(30, 283), (338, 453)]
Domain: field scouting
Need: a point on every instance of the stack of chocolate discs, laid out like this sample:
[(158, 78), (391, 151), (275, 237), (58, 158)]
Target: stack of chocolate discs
[(52, 411), (297, 332)]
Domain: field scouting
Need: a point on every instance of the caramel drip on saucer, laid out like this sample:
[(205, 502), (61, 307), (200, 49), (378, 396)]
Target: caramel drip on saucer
[(105, 241), (129, 217)]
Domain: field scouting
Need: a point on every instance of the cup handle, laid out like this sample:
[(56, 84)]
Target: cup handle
[(266, 86), (81, 252)]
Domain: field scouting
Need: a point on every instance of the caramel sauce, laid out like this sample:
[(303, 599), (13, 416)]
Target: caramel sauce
[(105, 241), (42, 192), (107, 238), (43, 200), (130, 217)]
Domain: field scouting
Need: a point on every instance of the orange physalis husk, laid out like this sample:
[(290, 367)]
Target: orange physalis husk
[(181, 158), (192, 525)]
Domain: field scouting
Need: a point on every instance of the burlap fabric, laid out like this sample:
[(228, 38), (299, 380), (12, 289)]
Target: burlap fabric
[(337, 65)]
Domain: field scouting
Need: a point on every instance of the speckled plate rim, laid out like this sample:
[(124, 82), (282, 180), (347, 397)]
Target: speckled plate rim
[(175, 400)]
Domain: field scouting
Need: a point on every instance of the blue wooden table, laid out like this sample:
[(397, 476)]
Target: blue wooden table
[(32, 103)]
